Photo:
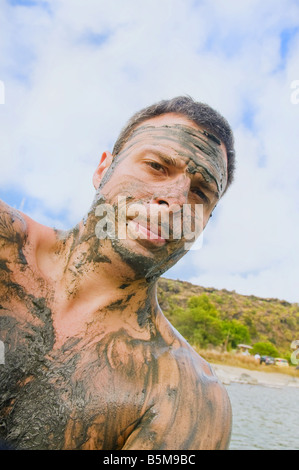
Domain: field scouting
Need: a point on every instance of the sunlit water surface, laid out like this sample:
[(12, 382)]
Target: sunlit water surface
[(264, 418)]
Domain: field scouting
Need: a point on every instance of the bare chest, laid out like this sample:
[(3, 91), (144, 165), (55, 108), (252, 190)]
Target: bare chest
[(89, 394)]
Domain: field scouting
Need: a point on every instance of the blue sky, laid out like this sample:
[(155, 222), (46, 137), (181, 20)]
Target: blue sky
[(74, 73)]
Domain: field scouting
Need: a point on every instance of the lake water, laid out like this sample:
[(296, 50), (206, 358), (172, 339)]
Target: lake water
[(264, 418)]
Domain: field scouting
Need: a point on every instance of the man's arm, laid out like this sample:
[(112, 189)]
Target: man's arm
[(13, 233)]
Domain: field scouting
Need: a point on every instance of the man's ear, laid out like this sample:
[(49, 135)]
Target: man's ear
[(103, 166)]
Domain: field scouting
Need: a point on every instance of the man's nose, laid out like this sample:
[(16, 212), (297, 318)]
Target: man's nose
[(175, 193)]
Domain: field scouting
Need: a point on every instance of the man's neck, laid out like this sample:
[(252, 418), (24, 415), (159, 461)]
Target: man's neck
[(91, 284)]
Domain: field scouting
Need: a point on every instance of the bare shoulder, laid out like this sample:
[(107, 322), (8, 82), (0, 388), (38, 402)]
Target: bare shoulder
[(203, 396), (13, 236), (207, 397), (13, 227), (190, 408), (183, 356)]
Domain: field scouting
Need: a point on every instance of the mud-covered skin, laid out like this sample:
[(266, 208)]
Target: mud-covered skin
[(148, 144), (90, 360), (118, 390), (193, 143)]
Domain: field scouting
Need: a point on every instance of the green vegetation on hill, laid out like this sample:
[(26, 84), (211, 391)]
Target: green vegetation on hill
[(211, 317)]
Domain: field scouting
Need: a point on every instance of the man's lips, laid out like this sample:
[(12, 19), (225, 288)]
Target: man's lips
[(144, 232)]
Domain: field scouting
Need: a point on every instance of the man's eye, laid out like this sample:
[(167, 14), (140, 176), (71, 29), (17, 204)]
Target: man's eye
[(200, 194), (156, 166)]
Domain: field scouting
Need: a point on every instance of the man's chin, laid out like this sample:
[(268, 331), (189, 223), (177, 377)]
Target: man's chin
[(145, 257), (141, 247)]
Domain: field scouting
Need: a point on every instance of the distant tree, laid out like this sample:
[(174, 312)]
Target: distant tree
[(235, 333), (201, 324), (264, 349), (203, 304)]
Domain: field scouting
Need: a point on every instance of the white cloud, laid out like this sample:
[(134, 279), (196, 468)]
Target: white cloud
[(74, 74)]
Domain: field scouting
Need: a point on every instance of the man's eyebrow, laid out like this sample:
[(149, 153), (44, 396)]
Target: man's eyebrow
[(167, 159)]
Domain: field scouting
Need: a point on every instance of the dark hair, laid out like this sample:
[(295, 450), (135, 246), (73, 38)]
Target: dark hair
[(201, 113)]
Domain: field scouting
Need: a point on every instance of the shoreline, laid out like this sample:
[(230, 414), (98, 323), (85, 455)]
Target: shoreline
[(230, 374)]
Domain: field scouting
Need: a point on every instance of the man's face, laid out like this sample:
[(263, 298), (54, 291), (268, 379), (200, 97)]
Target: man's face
[(168, 164)]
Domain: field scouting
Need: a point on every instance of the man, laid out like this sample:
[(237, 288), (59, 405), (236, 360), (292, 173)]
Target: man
[(90, 360)]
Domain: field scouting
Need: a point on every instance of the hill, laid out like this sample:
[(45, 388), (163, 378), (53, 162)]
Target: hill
[(228, 317)]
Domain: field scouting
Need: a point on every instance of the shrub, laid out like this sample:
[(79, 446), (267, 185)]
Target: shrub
[(235, 332), (201, 325), (264, 349)]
